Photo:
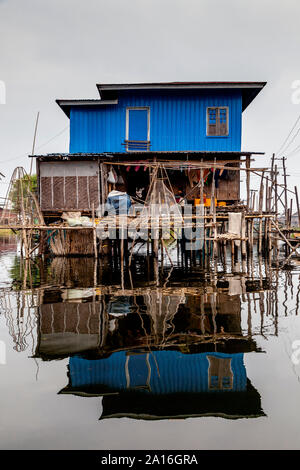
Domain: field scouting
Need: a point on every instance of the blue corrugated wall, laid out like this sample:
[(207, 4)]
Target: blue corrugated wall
[(177, 122), (171, 371)]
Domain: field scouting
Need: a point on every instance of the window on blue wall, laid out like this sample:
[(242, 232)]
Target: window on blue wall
[(137, 128), (217, 121)]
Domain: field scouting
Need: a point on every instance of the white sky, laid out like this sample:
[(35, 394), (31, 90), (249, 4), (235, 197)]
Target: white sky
[(61, 48)]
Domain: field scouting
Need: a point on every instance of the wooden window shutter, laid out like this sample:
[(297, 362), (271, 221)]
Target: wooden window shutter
[(223, 121), (211, 121), (217, 121)]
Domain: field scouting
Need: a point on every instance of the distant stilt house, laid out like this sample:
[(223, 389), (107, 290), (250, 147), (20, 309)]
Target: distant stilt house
[(132, 125), (7, 216)]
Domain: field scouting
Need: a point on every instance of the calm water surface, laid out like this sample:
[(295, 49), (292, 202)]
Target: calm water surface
[(179, 358)]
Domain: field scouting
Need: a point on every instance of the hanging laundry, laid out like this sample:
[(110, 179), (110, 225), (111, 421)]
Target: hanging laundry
[(208, 178), (235, 225), (120, 179), (217, 176), (112, 177), (193, 177), (205, 175)]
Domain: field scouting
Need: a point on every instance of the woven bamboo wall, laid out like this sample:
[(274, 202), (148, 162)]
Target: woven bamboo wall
[(69, 186)]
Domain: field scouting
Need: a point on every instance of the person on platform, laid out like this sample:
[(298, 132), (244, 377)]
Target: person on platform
[(118, 201)]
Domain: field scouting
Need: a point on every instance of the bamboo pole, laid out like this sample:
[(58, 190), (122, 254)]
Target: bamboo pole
[(261, 193), (291, 213), (213, 210), (34, 139), (94, 232), (248, 181), (243, 235), (285, 191), (297, 204), (268, 222), (203, 242), (24, 236)]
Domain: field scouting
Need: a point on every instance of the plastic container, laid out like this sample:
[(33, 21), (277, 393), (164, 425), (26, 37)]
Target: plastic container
[(208, 201)]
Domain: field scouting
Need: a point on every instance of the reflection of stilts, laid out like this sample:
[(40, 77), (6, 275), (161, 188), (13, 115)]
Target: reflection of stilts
[(162, 299), (162, 309), (21, 319), (298, 296)]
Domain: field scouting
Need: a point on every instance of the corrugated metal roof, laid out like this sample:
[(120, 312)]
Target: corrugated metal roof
[(66, 105), (146, 155), (249, 89)]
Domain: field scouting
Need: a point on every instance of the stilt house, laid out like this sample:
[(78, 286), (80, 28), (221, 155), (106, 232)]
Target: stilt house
[(131, 125)]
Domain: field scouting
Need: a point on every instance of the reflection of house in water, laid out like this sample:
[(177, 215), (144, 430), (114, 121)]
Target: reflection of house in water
[(152, 352), (66, 328), (105, 320), (165, 384)]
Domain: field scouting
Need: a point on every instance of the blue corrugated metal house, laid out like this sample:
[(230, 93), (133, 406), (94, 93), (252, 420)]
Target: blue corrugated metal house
[(161, 117), (178, 121), (160, 372)]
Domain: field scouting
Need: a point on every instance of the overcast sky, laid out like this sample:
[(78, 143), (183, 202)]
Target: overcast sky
[(53, 49)]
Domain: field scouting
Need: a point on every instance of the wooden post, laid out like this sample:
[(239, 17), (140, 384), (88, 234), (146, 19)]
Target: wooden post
[(250, 241), (261, 194), (291, 213), (297, 204), (248, 181), (252, 201), (95, 272), (24, 235), (204, 209), (276, 210), (269, 225), (34, 139), (213, 210), (266, 211), (94, 232), (243, 234), (155, 243), (285, 191), (268, 222), (201, 185), (232, 254), (161, 249), (122, 258)]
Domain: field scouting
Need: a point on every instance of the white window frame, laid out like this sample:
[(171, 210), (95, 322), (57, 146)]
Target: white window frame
[(138, 108), (207, 120)]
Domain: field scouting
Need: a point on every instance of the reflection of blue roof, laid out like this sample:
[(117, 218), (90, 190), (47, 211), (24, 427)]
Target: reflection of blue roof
[(164, 371)]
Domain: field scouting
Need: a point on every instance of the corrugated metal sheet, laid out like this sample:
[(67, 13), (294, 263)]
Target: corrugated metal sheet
[(177, 122), (171, 371)]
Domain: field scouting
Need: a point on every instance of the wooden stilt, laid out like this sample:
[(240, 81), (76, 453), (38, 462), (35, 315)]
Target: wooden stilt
[(248, 181), (94, 232), (261, 193), (243, 234)]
